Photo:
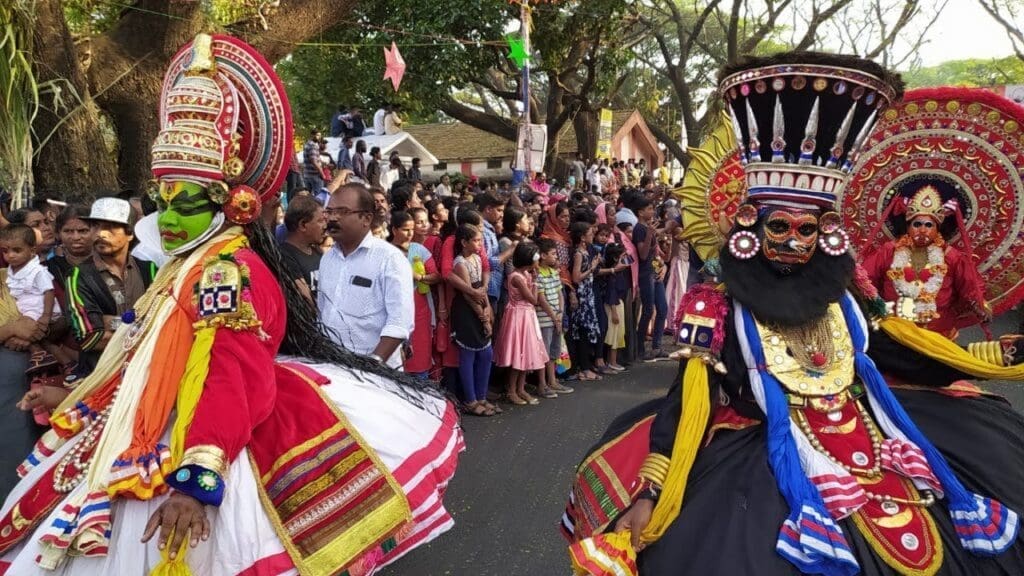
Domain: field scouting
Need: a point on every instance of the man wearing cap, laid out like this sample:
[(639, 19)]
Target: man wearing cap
[(105, 287)]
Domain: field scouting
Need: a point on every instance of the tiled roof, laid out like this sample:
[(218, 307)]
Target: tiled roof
[(461, 142)]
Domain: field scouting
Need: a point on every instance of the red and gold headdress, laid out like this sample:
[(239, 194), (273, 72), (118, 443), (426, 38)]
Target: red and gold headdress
[(926, 202), (225, 124)]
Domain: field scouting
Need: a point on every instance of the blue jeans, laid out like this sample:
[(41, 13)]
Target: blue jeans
[(653, 304), (475, 373)]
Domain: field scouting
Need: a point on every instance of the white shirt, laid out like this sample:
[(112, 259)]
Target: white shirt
[(442, 190), (378, 122), (390, 177), (28, 287), (367, 295)]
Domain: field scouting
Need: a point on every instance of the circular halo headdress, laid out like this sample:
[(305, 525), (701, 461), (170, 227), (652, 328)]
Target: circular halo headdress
[(713, 188), (968, 145), (225, 123)]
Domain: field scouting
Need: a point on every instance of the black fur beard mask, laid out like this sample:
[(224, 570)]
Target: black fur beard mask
[(791, 296)]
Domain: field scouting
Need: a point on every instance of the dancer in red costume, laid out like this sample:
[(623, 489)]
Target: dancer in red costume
[(928, 281), (192, 435)]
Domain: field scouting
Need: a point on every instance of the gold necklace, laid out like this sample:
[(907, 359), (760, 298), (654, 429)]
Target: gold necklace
[(810, 344)]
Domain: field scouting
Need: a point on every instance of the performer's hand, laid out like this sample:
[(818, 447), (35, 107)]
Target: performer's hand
[(18, 344), (635, 520), (178, 514), (46, 397)]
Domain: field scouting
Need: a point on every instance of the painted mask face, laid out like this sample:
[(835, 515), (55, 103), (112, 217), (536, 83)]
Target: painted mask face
[(790, 237), (923, 231), (186, 212)]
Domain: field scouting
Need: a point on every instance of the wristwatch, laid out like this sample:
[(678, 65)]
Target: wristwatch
[(377, 358)]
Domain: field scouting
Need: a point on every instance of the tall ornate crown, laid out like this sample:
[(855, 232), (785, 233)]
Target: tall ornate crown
[(927, 202), (800, 119), (225, 120)]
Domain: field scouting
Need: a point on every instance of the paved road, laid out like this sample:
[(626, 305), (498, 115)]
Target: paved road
[(509, 492)]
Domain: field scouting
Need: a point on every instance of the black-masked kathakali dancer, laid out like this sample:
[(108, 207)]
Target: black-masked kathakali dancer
[(782, 449), (194, 449), (943, 171)]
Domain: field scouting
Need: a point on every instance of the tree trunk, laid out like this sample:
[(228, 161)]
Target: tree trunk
[(72, 159), (587, 124), (125, 77)]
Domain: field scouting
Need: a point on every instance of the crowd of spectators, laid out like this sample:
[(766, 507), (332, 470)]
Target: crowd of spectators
[(504, 295)]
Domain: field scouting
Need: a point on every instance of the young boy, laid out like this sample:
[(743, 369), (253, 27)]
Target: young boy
[(30, 283), (549, 315), (31, 286)]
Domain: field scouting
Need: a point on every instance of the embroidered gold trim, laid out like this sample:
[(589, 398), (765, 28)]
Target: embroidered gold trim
[(342, 550), (889, 554), (208, 456)]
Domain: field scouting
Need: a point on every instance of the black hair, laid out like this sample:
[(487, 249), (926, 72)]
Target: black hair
[(399, 218), (576, 232), (432, 206), (545, 245), (584, 215), (488, 200), (464, 213), (306, 334), (612, 253), (20, 216), (69, 213), (510, 221), (364, 198), (21, 232), (301, 209), (525, 254), (464, 233), (416, 210)]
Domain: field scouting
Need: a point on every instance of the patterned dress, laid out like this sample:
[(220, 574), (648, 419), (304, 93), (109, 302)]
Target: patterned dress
[(583, 321)]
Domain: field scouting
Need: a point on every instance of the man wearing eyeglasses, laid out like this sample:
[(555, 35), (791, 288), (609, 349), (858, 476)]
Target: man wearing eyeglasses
[(928, 281), (366, 288)]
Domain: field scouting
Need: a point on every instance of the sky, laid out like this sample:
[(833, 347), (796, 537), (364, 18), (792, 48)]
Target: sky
[(964, 30)]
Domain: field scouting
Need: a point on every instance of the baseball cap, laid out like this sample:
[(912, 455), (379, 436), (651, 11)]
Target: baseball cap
[(112, 210)]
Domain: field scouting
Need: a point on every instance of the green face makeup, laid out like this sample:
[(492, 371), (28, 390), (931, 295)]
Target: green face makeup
[(186, 211)]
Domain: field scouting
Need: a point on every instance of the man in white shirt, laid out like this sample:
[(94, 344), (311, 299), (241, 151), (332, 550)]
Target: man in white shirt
[(366, 288), (378, 119), (444, 188)]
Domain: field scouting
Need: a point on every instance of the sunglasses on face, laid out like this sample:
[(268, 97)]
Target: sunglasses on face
[(923, 224)]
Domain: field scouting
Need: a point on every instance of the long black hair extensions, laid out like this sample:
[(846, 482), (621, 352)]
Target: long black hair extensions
[(308, 337)]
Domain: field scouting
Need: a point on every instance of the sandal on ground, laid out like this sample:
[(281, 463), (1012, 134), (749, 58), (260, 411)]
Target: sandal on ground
[(516, 400), (560, 388), (531, 400), (547, 394), (493, 407), (477, 409)]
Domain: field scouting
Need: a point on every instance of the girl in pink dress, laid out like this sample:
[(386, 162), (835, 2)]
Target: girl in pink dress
[(520, 346)]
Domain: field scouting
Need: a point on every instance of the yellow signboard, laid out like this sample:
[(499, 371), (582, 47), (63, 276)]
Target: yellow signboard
[(604, 135)]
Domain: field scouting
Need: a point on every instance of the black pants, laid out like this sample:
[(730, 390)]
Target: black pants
[(582, 354)]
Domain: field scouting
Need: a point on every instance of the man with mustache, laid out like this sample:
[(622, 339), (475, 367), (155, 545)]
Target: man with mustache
[(101, 289)]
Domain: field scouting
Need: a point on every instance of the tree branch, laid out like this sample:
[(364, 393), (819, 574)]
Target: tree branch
[(477, 119)]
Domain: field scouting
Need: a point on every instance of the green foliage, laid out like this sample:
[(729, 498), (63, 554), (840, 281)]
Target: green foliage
[(347, 67), (19, 94), (88, 17), (973, 72)]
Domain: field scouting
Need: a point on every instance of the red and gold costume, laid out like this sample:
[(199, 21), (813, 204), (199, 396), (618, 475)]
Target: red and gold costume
[(188, 395), (941, 286)]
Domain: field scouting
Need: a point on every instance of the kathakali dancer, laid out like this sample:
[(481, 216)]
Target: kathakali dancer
[(785, 446), (934, 207), (193, 448)]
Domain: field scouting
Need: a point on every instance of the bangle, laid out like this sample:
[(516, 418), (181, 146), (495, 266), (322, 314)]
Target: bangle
[(655, 468), (376, 357)]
